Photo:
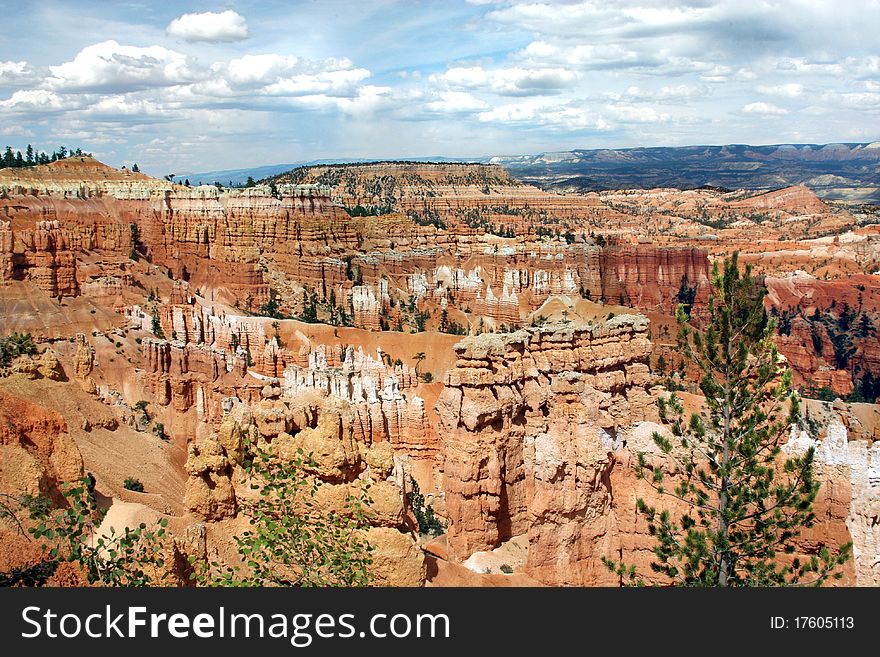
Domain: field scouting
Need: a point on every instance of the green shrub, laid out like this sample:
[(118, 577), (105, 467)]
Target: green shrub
[(424, 514), (14, 345), (292, 540), (133, 485), (70, 534)]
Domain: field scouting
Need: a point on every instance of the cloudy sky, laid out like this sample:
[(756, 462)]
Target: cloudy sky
[(194, 86)]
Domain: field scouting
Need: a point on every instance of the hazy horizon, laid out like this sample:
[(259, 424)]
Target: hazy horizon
[(211, 86)]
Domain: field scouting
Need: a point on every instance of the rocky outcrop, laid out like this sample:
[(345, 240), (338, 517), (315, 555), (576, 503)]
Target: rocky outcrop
[(42, 255), (528, 421), (382, 398), (37, 452), (84, 363), (827, 329), (321, 429), (849, 500), (649, 278)]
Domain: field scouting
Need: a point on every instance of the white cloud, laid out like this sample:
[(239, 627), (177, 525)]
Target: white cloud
[(633, 114), (764, 108), (718, 73), (344, 82), (564, 117), (514, 81), (789, 90), (370, 98), (111, 67), (666, 93), (209, 26), (38, 101), (856, 100), (456, 102), (804, 65), (256, 69), (16, 73), (16, 131)]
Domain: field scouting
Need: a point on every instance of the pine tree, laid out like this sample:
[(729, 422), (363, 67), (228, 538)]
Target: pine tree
[(135, 168), (744, 501)]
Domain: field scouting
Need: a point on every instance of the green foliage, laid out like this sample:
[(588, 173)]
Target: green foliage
[(869, 387), (427, 377), (292, 539), (272, 309), (126, 559), (368, 211), (419, 357), (865, 327), (37, 506), (250, 182), (14, 159), (450, 325), (133, 485), (686, 295), (156, 325), (159, 432), (15, 345), (310, 307), (744, 501), (29, 575), (661, 365), (428, 217), (428, 522)]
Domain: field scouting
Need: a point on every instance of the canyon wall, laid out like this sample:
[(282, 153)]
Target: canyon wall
[(528, 422)]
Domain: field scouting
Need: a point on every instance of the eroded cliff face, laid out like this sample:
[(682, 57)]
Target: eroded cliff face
[(322, 428), (540, 430), (529, 421)]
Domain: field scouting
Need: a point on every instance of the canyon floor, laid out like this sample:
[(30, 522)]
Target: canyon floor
[(448, 326)]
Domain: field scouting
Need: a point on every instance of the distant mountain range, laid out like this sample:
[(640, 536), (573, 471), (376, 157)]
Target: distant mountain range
[(848, 172), (834, 171)]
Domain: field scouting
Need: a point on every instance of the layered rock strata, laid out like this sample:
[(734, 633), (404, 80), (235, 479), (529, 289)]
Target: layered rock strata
[(528, 421)]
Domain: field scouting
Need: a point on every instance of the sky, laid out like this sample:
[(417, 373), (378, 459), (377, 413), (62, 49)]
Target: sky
[(200, 86)]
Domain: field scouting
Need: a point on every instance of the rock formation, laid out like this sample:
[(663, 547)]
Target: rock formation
[(321, 429), (529, 420), (38, 455)]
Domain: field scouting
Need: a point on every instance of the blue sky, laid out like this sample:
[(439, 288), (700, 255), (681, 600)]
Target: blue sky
[(194, 86)]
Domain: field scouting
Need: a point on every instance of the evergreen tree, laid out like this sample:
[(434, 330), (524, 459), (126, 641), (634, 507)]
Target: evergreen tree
[(135, 168), (250, 182), (29, 155), (419, 357), (865, 327), (744, 502), (661, 365)]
